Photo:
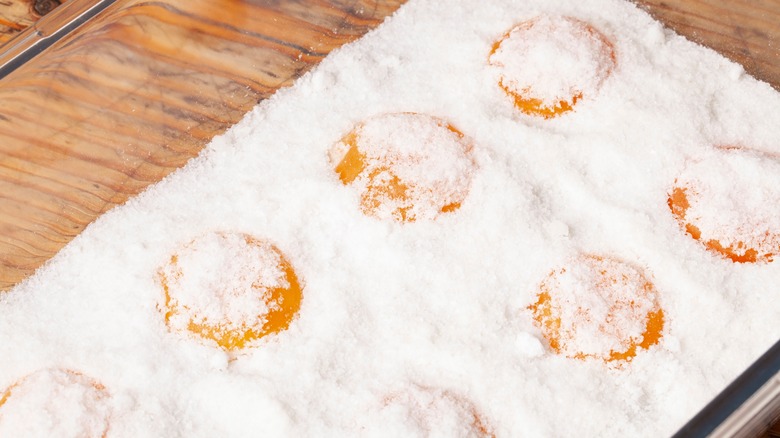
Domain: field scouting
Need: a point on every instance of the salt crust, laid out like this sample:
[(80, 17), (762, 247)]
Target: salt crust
[(221, 279), (437, 303), (71, 404), (602, 305), (424, 153), (735, 198), (552, 59), (421, 149), (427, 412)]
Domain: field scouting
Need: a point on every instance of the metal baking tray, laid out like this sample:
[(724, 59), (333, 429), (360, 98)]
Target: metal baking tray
[(747, 408)]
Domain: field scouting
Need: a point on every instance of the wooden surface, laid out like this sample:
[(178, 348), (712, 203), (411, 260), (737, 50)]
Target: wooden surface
[(17, 15), (773, 431), (136, 92)]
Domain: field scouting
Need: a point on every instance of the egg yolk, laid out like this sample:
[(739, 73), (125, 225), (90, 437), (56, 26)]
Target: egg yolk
[(406, 166), (440, 412), (547, 64), (729, 201), (755, 250), (600, 308), (42, 401), (232, 289)]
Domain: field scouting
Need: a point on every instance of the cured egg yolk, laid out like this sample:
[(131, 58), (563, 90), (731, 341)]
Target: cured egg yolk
[(405, 166), (549, 63), (230, 289), (730, 202), (435, 412), (598, 307), (55, 401)]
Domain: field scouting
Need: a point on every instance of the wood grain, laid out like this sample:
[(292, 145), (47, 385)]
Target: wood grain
[(136, 93), (745, 31), (772, 432), (17, 15)]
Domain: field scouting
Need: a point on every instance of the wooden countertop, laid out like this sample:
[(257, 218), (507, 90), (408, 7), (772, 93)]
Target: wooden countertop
[(137, 91)]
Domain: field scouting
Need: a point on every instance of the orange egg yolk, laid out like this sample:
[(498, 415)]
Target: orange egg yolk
[(563, 311), (422, 404), (739, 252), (72, 377), (384, 188), (282, 302), (87, 390), (525, 98)]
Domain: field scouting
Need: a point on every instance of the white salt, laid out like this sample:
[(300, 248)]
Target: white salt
[(415, 328)]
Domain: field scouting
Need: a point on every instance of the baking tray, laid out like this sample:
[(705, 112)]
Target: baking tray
[(41, 35), (103, 97), (747, 408)]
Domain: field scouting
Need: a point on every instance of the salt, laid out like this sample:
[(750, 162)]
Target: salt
[(413, 327)]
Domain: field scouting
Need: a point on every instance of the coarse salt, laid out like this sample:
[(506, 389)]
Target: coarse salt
[(395, 327)]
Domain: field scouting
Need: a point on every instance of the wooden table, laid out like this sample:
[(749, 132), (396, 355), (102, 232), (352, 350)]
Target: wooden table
[(140, 89)]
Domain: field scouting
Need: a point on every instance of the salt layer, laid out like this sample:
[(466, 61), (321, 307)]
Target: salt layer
[(424, 328)]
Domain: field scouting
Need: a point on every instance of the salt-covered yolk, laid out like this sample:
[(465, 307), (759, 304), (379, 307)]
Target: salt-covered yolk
[(406, 166), (738, 252), (598, 307), (730, 202), (229, 288), (439, 412), (547, 64), (55, 401)]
